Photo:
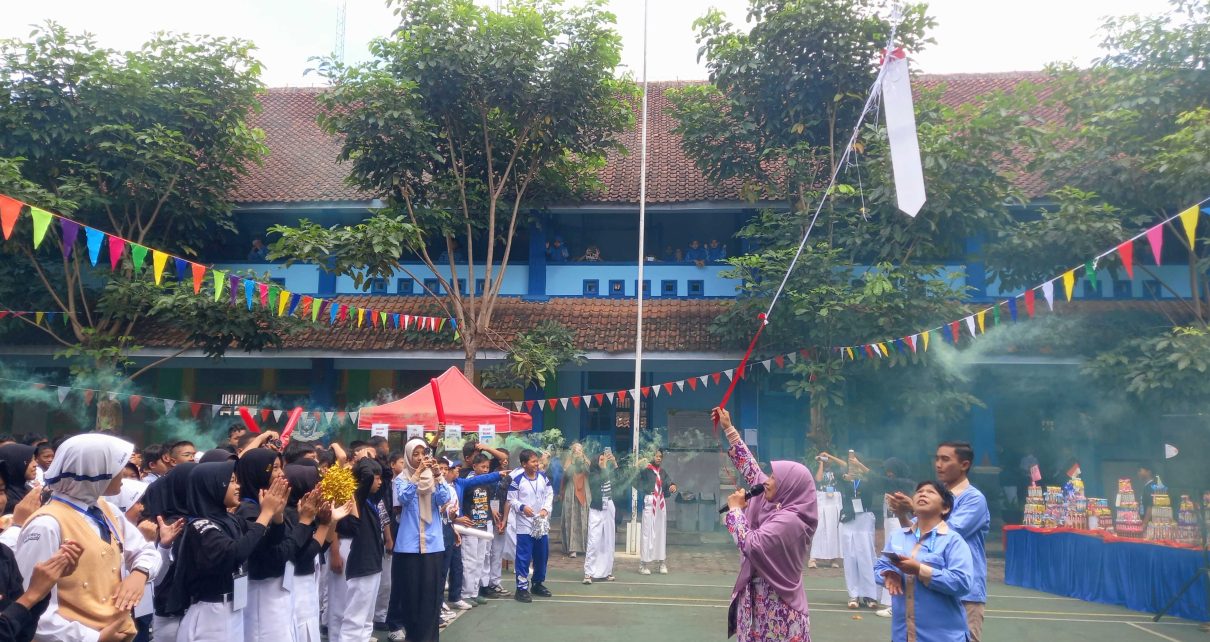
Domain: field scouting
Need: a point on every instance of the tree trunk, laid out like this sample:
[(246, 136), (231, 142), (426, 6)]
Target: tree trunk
[(470, 345), (820, 434), (1195, 288)]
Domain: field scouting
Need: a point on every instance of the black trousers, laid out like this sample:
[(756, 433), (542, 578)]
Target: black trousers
[(416, 595)]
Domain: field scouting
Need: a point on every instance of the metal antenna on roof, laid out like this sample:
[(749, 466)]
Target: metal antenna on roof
[(342, 12)]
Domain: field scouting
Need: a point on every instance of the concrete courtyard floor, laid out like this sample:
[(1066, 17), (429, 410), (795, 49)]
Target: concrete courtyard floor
[(690, 605)]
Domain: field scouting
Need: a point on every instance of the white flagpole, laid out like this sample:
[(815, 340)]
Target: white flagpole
[(632, 539)]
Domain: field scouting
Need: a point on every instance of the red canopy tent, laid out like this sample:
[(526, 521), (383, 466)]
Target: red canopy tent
[(461, 401)]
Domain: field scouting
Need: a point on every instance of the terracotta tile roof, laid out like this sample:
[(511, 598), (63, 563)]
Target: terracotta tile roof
[(601, 325), (302, 162)]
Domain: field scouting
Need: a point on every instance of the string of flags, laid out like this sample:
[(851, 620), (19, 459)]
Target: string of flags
[(249, 292), (196, 409)]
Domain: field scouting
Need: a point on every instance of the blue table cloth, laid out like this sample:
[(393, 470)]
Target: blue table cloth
[(1137, 575)]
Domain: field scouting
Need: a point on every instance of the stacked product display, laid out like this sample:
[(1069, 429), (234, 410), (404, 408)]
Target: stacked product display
[(1075, 514), (1056, 508), (1128, 523), (1162, 525), (1186, 522), (1035, 507), (1100, 515)]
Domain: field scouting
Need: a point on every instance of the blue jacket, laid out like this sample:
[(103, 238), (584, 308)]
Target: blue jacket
[(406, 496), (971, 519), (936, 597)]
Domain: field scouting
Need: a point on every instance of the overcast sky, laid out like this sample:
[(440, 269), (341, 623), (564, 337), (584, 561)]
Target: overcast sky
[(972, 35)]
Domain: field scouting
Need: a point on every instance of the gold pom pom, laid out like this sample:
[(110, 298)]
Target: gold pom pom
[(338, 485)]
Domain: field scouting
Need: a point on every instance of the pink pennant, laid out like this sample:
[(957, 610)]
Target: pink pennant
[(1155, 236), (117, 245), (264, 294)]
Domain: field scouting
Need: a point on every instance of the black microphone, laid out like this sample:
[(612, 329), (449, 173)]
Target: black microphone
[(752, 492)]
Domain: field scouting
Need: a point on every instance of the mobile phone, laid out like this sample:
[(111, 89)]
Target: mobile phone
[(608, 450), (894, 557)]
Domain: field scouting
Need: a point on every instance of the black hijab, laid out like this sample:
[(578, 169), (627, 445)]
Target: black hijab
[(168, 496), (217, 454), (14, 461), (207, 491), (254, 470), (303, 479)]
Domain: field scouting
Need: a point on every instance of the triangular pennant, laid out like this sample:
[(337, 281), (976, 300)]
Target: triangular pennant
[(219, 278), (277, 415), (62, 392), (600, 399), (768, 364), (852, 355), (924, 336), (169, 404), (517, 405), (911, 342), (249, 292), (716, 377), (182, 268), (1090, 273), (1012, 308), (233, 288), (138, 256), (70, 230), (38, 318), (575, 401), (328, 417), (199, 271), (622, 395), (382, 319), (264, 413), (353, 417), (88, 395), (1029, 303), (41, 223), (283, 301), (333, 312), (361, 316), (93, 238), (262, 290), (970, 324), (135, 400), (1155, 236), (542, 404), (158, 261), (954, 332), (294, 299), (1069, 284), (1048, 293), (793, 357), (668, 387), (1126, 252), (340, 416), (215, 409), (1189, 221), (730, 372), (10, 210), (117, 247), (869, 350), (563, 402), (529, 404), (611, 396), (883, 350), (195, 408), (996, 314), (780, 361)]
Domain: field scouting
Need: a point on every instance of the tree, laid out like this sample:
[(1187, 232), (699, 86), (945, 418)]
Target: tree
[(145, 145), (535, 357), (776, 117), (464, 120)]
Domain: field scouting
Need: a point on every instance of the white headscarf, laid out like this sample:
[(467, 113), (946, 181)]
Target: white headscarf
[(424, 485), (85, 464)]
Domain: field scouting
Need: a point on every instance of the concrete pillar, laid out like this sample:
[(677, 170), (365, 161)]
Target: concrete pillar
[(323, 382), (537, 264)]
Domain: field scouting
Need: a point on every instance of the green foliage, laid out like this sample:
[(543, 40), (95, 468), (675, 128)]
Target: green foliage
[(464, 120), (535, 357), (144, 144), (1165, 371)]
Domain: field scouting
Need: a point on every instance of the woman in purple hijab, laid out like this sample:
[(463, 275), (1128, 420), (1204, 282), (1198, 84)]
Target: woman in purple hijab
[(773, 531)]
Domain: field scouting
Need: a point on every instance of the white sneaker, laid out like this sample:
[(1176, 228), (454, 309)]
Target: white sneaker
[(397, 636), (883, 612), (643, 570), (587, 580), (663, 569), (461, 605)]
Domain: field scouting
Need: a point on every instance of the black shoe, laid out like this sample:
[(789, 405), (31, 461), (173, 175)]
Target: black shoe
[(483, 592), (381, 626), (541, 590), (523, 596)]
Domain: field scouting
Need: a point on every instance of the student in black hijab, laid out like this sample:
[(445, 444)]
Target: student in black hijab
[(167, 498), (214, 551), (17, 467), (270, 609), (351, 596), (215, 455), (303, 477)]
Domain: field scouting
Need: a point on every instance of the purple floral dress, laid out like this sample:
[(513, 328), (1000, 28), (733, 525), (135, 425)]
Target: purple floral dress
[(760, 615)]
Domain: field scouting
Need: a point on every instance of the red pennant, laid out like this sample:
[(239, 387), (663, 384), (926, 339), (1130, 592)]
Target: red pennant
[(955, 332), (195, 408), (621, 395), (869, 351), (317, 415), (646, 390), (600, 397), (911, 343), (551, 402), (1029, 302), (87, 397), (342, 314), (373, 318), (804, 353), (134, 402), (692, 383), (3, 314), (306, 305), (742, 371), (10, 209), (264, 294), (264, 414), (529, 405), (780, 361), (199, 271), (668, 387), (340, 417), (1126, 251), (117, 245), (716, 377), (575, 401)]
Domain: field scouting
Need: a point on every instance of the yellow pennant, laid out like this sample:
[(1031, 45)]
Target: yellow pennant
[(979, 317), (282, 300), (361, 316), (852, 357), (882, 348), (38, 317), (925, 335), (158, 261), (1189, 220), (1069, 282)]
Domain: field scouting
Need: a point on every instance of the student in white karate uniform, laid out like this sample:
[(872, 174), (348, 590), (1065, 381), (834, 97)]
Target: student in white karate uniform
[(214, 552)]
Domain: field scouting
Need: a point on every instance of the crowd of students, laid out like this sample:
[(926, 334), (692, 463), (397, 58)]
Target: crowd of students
[(103, 542)]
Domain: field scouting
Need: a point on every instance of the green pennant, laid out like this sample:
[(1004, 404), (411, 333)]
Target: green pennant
[(41, 222), (274, 291), (996, 315), (315, 312), (138, 254), (1091, 274), (220, 277)]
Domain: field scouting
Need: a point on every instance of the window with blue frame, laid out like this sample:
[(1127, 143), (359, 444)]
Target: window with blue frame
[(668, 288), (432, 285), (646, 287), (1152, 289), (697, 288), (378, 286), (478, 287), (1091, 290), (617, 287), (592, 287), (405, 286), (1123, 289)]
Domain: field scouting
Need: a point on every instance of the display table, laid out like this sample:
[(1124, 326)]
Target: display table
[(1098, 567)]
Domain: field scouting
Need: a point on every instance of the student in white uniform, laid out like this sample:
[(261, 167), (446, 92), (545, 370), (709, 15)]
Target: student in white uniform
[(116, 563), (656, 488), (826, 545), (857, 536), (599, 550), (531, 497), (352, 594), (303, 478), (214, 552)]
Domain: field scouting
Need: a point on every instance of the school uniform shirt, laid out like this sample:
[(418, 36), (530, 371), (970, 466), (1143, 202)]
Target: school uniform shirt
[(16, 622), (971, 519), (367, 548), (450, 508), (536, 493), (475, 495), (306, 555), (40, 539), (600, 483), (280, 544), (646, 483), (210, 557), (856, 489), (406, 498), (931, 605)]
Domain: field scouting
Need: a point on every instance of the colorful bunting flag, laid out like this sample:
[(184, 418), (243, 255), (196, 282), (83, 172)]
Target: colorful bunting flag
[(158, 261), (1189, 221), (1029, 303), (93, 238), (10, 210), (1126, 252), (1069, 284), (70, 230), (41, 223), (138, 255), (1155, 236), (980, 316), (1048, 292)]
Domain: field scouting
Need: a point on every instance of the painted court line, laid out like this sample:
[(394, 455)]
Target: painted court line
[(1155, 633), (809, 589)]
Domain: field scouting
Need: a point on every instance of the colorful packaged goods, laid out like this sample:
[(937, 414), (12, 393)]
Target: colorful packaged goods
[(1127, 522), (1162, 525), (1035, 507), (1100, 516), (1186, 521)]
